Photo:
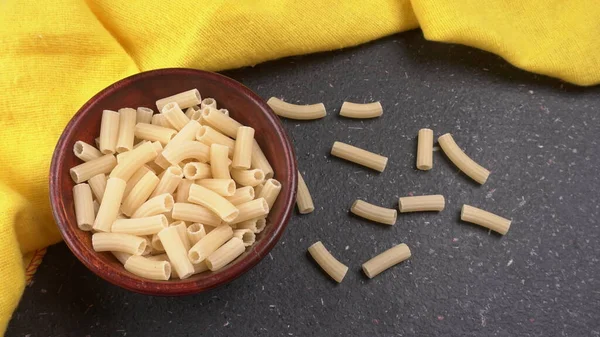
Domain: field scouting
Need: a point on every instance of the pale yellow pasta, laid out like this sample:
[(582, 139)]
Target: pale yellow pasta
[(85, 171), (122, 157), (374, 213), (147, 268), (174, 247), (303, 198), (84, 206), (153, 133), (252, 209), (422, 203), (118, 242), (334, 268), (85, 151), (122, 257), (157, 246), (246, 235), (484, 218), (135, 178), (187, 133), (296, 111), (195, 232), (209, 136), (195, 213), (182, 232), (224, 112), (174, 115), (385, 260), (197, 170), (187, 150), (161, 120), (136, 159), (359, 156), (140, 193), (157, 205), (219, 161), (96, 207), (208, 102), (216, 203), (242, 152), (109, 131), (425, 150), (242, 195), (248, 177), (140, 226), (461, 160), (248, 224), (184, 99), (183, 190), (258, 188), (223, 187), (225, 254), (261, 223), (270, 191), (198, 267), (169, 180), (127, 118), (357, 110), (224, 124), (161, 162), (210, 243), (98, 185), (109, 207), (149, 248), (143, 115), (193, 113), (260, 161)]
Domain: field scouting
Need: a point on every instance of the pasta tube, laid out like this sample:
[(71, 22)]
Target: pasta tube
[(248, 177), (260, 161), (143, 115), (359, 156), (154, 133), (98, 185), (109, 207), (208, 102), (425, 150), (195, 232), (214, 202), (242, 195), (171, 241), (187, 150), (270, 191), (223, 187), (135, 178), (225, 124), (209, 136), (242, 152), (109, 131), (219, 161), (356, 110), (184, 99), (196, 170), (147, 268), (183, 190), (84, 206), (486, 219), (117, 242), (136, 159), (461, 160), (246, 235), (85, 171), (174, 115), (327, 262), (210, 243), (140, 226), (374, 213), (225, 254), (139, 194), (252, 209), (295, 111), (195, 213), (85, 151), (157, 205), (127, 118), (169, 181), (422, 203), (303, 198), (161, 120), (385, 260)]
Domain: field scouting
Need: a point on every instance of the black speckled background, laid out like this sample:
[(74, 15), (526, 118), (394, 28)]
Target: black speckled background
[(537, 135)]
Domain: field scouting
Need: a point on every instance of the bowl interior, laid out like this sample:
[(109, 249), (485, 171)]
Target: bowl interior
[(143, 90)]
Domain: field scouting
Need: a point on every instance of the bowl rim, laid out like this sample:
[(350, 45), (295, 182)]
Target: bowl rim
[(257, 252)]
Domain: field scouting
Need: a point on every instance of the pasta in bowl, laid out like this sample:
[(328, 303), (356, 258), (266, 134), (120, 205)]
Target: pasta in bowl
[(173, 181)]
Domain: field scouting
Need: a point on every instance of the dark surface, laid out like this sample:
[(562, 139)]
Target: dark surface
[(536, 135), (143, 90)]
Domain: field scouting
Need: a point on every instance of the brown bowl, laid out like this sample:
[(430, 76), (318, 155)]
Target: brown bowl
[(143, 90)]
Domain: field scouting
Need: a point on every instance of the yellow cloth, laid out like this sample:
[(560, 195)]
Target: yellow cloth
[(56, 55)]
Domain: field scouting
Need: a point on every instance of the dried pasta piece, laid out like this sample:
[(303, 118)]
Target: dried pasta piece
[(175, 115), (109, 207), (182, 231), (385, 260), (461, 160), (195, 213), (171, 241), (84, 206), (425, 150), (85, 171), (260, 161), (154, 133), (184, 99), (135, 159), (140, 193), (359, 156), (242, 195), (248, 177), (195, 232), (225, 124), (208, 102), (157, 205), (209, 136), (117, 242), (223, 187), (147, 268), (109, 132), (219, 161), (210, 243), (197, 170), (187, 150), (327, 262), (169, 180), (296, 111), (127, 118), (422, 203), (85, 151), (252, 209), (140, 226), (357, 110), (161, 120), (135, 178), (270, 191), (484, 218), (374, 213), (242, 152), (98, 185), (214, 202), (183, 190), (225, 254), (143, 115), (303, 198), (246, 235)]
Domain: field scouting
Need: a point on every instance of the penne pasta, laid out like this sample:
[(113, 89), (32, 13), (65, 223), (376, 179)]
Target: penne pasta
[(303, 198), (85, 171), (209, 136), (143, 115), (195, 213), (84, 206), (157, 205), (208, 102), (270, 191), (140, 193), (296, 111), (182, 232), (195, 232), (157, 246), (241, 195), (161, 120), (109, 207), (122, 257), (147, 268), (85, 151), (219, 161), (140, 226), (422, 203), (154, 133), (193, 111), (183, 190), (425, 150), (187, 150), (96, 207), (187, 133), (486, 219), (174, 115), (169, 180), (223, 187), (174, 247), (374, 213), (224, 124), (248, 177), (135, 178), (196, 170), (385, 260), (127, 118), (246, 235), (117, 242), (359, 156), (242, 152), (210, 243), (256, 208), (213, 201), (248, 224), (334, 268), (461, 160), (225, 254), (109, 132), (122, 157), (260, 161), (134, 161), (261, 223), (258, 188), (98, 185), (356, 110), (184, 99)]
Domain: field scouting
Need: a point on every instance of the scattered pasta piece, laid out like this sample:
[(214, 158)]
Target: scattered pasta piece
[(461, 160), (385, 260), (303, 198), (356, 110), (327, 262), (374, 213), (295, 111), (486, 219), (359, 156), (425, 150), (422, 203)]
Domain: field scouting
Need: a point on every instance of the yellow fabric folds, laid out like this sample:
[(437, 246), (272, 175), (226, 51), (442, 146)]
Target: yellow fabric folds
[(56, 55)]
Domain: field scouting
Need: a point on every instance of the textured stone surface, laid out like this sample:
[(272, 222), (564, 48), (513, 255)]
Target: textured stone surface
[(536, 135)]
